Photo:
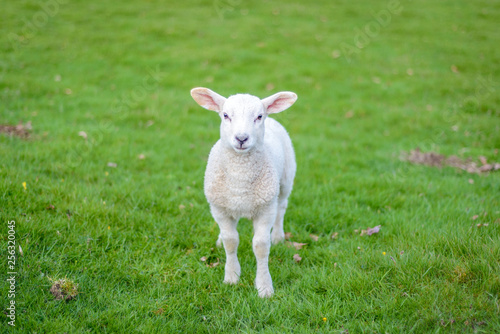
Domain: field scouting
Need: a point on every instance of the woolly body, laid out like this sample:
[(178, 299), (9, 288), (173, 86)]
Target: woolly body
[(242, 184)]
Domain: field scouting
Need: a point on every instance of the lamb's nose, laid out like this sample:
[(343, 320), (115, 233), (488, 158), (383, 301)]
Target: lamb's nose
[(241, 138)]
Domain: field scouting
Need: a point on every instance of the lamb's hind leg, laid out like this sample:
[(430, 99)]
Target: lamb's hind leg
[(229, 237), (278, 233)]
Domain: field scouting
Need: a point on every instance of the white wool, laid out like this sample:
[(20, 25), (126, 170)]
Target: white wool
[(249, 174)]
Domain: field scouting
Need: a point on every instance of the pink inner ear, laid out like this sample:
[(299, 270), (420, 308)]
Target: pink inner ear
[(206, 101), (278, 105)]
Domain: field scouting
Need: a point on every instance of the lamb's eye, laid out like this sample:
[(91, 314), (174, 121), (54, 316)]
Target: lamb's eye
[(259, 117), (226, 116)]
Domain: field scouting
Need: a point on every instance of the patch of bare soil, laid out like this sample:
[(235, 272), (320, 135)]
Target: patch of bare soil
[(434, 159), (20, 130), (64, 289)]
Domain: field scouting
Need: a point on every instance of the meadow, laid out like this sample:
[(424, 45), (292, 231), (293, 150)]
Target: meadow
[(107, 190)]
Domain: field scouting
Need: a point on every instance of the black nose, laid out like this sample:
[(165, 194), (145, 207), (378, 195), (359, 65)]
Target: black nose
[(242, 139)]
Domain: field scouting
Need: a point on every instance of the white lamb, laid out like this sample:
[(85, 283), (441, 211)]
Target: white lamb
[(249, 174)]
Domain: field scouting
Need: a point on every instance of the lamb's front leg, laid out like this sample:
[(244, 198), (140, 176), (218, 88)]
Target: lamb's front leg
[(230, 240), (261, 248)]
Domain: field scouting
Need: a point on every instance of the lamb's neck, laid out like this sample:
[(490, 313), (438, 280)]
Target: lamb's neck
[(242, 163)]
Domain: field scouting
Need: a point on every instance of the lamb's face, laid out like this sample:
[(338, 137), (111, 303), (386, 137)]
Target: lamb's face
[(242, 115), (242, 122)]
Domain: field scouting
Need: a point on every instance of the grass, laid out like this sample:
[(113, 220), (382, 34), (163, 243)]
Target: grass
[(132, 236)]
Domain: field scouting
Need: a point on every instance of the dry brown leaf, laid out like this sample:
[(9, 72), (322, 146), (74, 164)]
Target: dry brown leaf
[(370, 230), (335, 235), (298, 245), (112, 164), (314, 237), (297, 258), (213, 264), (203, 258), (475, 217), (83, 134), (373, 230), (159, 311), (288, 235)]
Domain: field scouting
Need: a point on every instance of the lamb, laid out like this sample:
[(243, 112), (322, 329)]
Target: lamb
[(250, 173)]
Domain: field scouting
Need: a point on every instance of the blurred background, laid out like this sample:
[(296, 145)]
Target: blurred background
[(104, 149)]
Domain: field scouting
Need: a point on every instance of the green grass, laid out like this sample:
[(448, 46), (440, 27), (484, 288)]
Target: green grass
[(132, 237)]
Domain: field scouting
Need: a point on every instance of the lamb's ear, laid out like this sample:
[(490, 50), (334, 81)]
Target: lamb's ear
[(279, 102), (208, 99)]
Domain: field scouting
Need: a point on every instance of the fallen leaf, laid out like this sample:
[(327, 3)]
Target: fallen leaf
[(335, 235), (21, 251), (142, 156), (50, 207), (481, 225), (297, 258), (373, 230), (349, 114), (314, 237), (212, 265), (181, 207), (112, 164), (475, 217), (203, 258), (83, 134), (288, 235), (454, 69), (159, 311), (298, 245)]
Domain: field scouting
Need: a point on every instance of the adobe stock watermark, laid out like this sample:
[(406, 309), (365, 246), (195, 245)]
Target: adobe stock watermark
[(484, 88), (224, 6), (33, 25), (365, 35), (119, 111)]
